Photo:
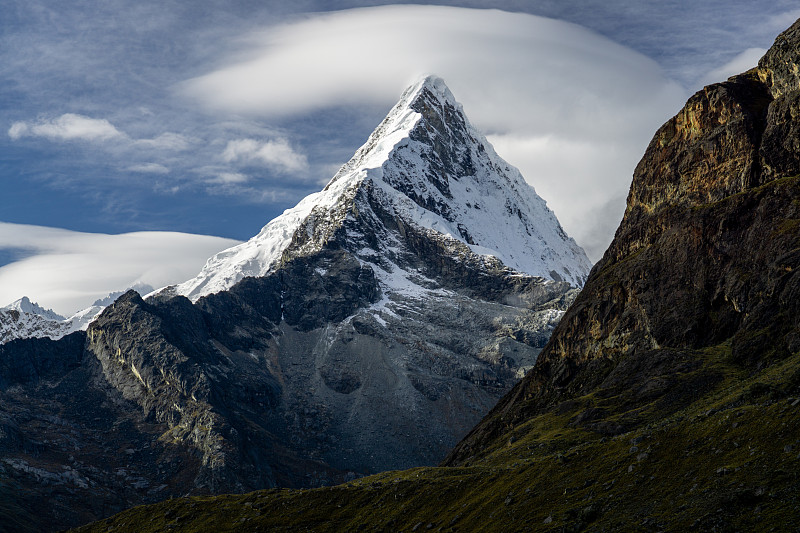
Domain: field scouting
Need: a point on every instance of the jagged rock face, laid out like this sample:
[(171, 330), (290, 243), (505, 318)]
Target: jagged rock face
[(217, 403), (71, 447), (349, 388), (706, 256)]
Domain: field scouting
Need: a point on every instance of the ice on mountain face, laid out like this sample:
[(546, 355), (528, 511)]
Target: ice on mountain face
[(425, 167)]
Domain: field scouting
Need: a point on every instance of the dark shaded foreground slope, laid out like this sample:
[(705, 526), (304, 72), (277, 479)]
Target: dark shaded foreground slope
[(668, 397)]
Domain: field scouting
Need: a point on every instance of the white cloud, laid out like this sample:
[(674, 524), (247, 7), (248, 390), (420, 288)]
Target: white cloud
[(229, 178), (17, 130), (67, 127), (522, 79), (276, 154), (68, 270), (70, 127), (149, 168), (167, 141), (741, 63)]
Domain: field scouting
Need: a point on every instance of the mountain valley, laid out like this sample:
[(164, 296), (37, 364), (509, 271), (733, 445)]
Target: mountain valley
[(668, 396)]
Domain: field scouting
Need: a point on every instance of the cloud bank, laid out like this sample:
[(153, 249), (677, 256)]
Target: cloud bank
[(67, 270), (573, 110)]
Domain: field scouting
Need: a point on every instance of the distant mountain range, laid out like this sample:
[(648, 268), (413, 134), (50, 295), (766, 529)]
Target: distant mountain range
[(25, 319)]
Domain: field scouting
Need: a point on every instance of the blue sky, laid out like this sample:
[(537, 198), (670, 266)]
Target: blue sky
[(210, 118)]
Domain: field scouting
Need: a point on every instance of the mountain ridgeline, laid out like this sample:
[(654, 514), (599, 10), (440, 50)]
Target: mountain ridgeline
[(24, 319), (668, 396), (366, 329)]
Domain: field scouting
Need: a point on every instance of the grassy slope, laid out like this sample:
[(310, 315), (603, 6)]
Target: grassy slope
[(729, 461)]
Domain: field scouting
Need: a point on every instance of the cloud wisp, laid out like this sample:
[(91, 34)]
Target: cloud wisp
[(74, 127), (270, 155), (149, 168), (68, 270), (741, 63), (276, 154), (67, 127)]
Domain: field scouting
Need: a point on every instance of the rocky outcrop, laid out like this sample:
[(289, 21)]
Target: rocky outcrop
[(706, 258), (71, 447)]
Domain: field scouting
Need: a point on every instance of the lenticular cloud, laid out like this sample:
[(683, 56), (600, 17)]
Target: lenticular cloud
[(524, 80), (68, 270)]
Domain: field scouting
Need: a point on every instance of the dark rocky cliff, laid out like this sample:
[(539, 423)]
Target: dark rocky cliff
[(707, 255)]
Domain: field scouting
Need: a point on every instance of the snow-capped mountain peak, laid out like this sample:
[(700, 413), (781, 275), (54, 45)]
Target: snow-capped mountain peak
[(24, 305), (425, 168), (25, 319)]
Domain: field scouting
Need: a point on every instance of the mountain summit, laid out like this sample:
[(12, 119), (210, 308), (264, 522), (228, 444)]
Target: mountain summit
[(24, 305), (23, 319), (401, 300), (424, 173)]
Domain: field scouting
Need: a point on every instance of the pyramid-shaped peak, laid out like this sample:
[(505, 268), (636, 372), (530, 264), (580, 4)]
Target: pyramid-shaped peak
[(424, 170), (427, 90)]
